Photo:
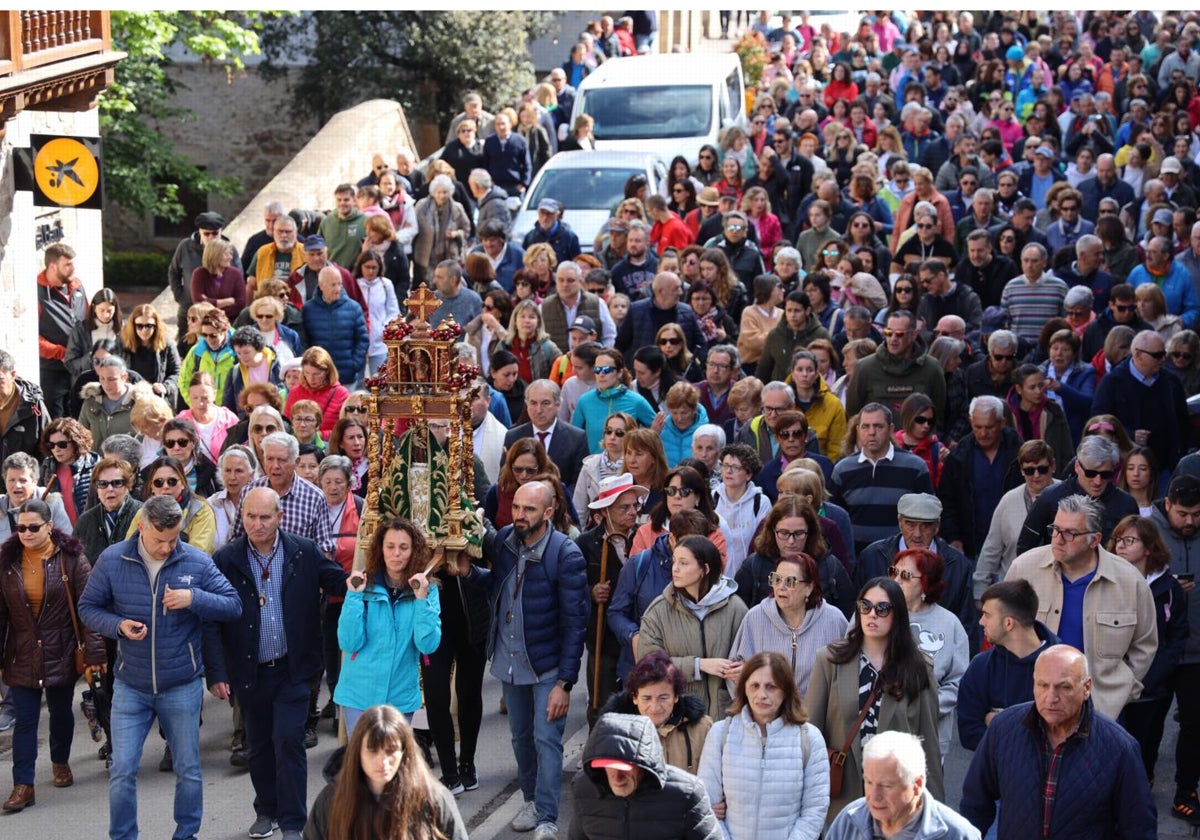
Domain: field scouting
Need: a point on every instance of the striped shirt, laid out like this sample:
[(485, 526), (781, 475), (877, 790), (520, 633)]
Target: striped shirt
[(870, 491), (1031, 305)]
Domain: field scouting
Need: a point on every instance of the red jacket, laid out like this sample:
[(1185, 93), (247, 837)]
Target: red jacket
[(672, 233)]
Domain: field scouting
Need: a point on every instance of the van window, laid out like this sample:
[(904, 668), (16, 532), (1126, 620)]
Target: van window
[(736, 100), (632, 113), (583, 189)]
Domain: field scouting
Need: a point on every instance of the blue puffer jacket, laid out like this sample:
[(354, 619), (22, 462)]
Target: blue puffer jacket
[(642, 580), (554, 597), (170, 655), (382, 641), (1102, 789), (340, 328)]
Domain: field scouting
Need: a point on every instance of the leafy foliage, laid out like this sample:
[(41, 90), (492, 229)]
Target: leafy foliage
[(142, 171), (426, 60)]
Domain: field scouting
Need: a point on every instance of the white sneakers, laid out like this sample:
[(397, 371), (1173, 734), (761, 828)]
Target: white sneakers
[(526, 819)]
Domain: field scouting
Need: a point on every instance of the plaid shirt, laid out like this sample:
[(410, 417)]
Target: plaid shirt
[(305, 512), (272, 639), (1052, 760)]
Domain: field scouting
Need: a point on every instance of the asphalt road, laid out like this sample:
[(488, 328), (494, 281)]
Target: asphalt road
[(81, 812)]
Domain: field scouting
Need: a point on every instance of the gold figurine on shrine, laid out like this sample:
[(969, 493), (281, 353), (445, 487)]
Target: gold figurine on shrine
[(415, 471)]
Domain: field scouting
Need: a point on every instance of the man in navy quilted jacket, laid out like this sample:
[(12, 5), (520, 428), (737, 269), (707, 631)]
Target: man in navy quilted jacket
[(1059, 768), (152, 593), (539, 593)]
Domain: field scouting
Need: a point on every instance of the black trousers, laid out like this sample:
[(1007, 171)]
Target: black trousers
[(274, 714), (468, 661), (1187, 747)]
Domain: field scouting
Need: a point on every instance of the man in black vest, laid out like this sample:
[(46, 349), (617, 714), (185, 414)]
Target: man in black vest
[(61, 304)]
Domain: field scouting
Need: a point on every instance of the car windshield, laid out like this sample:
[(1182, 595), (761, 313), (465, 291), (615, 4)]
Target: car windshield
[(633, 113), (583, 189)]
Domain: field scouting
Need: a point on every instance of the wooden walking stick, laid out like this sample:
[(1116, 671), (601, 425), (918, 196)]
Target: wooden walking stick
[(600, 625)]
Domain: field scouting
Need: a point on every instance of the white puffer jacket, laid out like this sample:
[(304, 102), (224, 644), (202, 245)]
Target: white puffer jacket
[(770, 791)]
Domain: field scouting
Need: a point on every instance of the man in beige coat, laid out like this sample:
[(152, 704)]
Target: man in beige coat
[(1094, 601)]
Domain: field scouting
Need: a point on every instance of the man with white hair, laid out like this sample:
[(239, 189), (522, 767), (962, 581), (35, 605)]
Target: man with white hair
[(1087, 270), (570, 301), (1150, 404), (491, 201), (896, 800), (566, 445), (304, 508), (1060, 769), (1172, 277)]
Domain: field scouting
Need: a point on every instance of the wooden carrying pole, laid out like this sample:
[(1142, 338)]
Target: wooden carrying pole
[(599, 627)]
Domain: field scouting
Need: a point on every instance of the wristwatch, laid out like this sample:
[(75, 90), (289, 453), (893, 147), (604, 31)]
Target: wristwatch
[(565, 685)]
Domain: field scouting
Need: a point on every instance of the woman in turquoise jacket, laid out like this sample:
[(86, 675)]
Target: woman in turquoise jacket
[(391, 618), (610, 395)]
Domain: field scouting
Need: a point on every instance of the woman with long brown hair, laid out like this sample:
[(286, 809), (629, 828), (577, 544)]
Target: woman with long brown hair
[(391, 616), (148, 352), (383, 789), (68, 462)]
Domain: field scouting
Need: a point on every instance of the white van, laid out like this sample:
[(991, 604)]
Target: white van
[(666, 104)]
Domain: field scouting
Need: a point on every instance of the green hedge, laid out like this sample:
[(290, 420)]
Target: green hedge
[(126, 269)]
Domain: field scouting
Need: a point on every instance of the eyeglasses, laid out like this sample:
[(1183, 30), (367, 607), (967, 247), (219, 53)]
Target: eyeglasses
[(58, 444), (1004, 357), (303, 418), (789, 582), (681, 492), (604, 369), (1187, 357), (160, 483), (924, 421), (105, 483), (1039, 469), (1077, 313), (706, 157), (791, 434), (784, 536), (260, 429), (775, 409), (1157, 355), (31, 529), (1105, 474), (150, 326), (669, 341), (611, 431), (525, 470), (355, 409), (1066, 535), (903, 574), (175, 443), (1126, 542), (727, 467), (882, 609), (758, 122)]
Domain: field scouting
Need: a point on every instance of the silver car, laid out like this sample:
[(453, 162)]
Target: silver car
[(589, 186)]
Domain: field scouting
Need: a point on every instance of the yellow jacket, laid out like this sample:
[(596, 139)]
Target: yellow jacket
[(827, 417), (200, 528), (264, 260)]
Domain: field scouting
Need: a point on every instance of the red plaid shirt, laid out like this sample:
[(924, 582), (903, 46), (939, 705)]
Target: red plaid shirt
[(1052, 761)]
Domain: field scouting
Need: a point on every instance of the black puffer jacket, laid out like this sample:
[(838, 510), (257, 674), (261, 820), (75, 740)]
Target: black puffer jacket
[(40, 652), (668, 803), (24, 429)]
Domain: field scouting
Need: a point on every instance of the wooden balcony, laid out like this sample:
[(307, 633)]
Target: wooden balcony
[(54, 60)]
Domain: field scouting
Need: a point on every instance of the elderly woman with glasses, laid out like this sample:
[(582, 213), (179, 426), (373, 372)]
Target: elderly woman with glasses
[(238, 467), (939, 633), (877, 669)]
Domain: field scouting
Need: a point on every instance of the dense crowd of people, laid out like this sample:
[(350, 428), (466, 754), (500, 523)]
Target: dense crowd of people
[(864, 431)]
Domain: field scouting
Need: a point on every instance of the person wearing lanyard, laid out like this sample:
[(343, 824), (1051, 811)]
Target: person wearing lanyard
[(271, 654)]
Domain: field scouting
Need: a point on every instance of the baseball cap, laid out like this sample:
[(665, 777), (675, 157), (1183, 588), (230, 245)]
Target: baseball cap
[(316, 242), (549, 205), (1171, 164), (584, 323), (615, 763)]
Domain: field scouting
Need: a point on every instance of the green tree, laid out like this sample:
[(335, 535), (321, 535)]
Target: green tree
[(142, 171), (426, 60)]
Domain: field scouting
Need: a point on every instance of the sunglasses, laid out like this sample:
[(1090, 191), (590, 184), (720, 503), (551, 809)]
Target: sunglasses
[(735, 227), (260, 429), (888, 333), (175, 443), (1040, 469), (361, 409), (160, 483), (791, 434), (924, 421), (1104, 474), (883, 609), (1157, 355), (924, 227), (789, 582), (681, 492), (30, 529), (618, 432), (1187, 357), (669, 341), (604, 369), (151, 326), (903, 574), (58, 444), (1125, 307), (1004, 357), (525, 470)]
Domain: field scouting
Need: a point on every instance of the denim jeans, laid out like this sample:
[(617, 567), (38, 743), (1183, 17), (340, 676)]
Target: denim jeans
[(274, 714), (375, 362), (133, 714), (27, 704), (537, 744)]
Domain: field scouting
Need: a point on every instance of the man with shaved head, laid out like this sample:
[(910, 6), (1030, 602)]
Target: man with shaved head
[(1061, 768), (538, 583), (1148, 401)]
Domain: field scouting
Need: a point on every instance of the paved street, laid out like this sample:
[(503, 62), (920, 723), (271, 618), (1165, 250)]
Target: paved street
[(82, 811)]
